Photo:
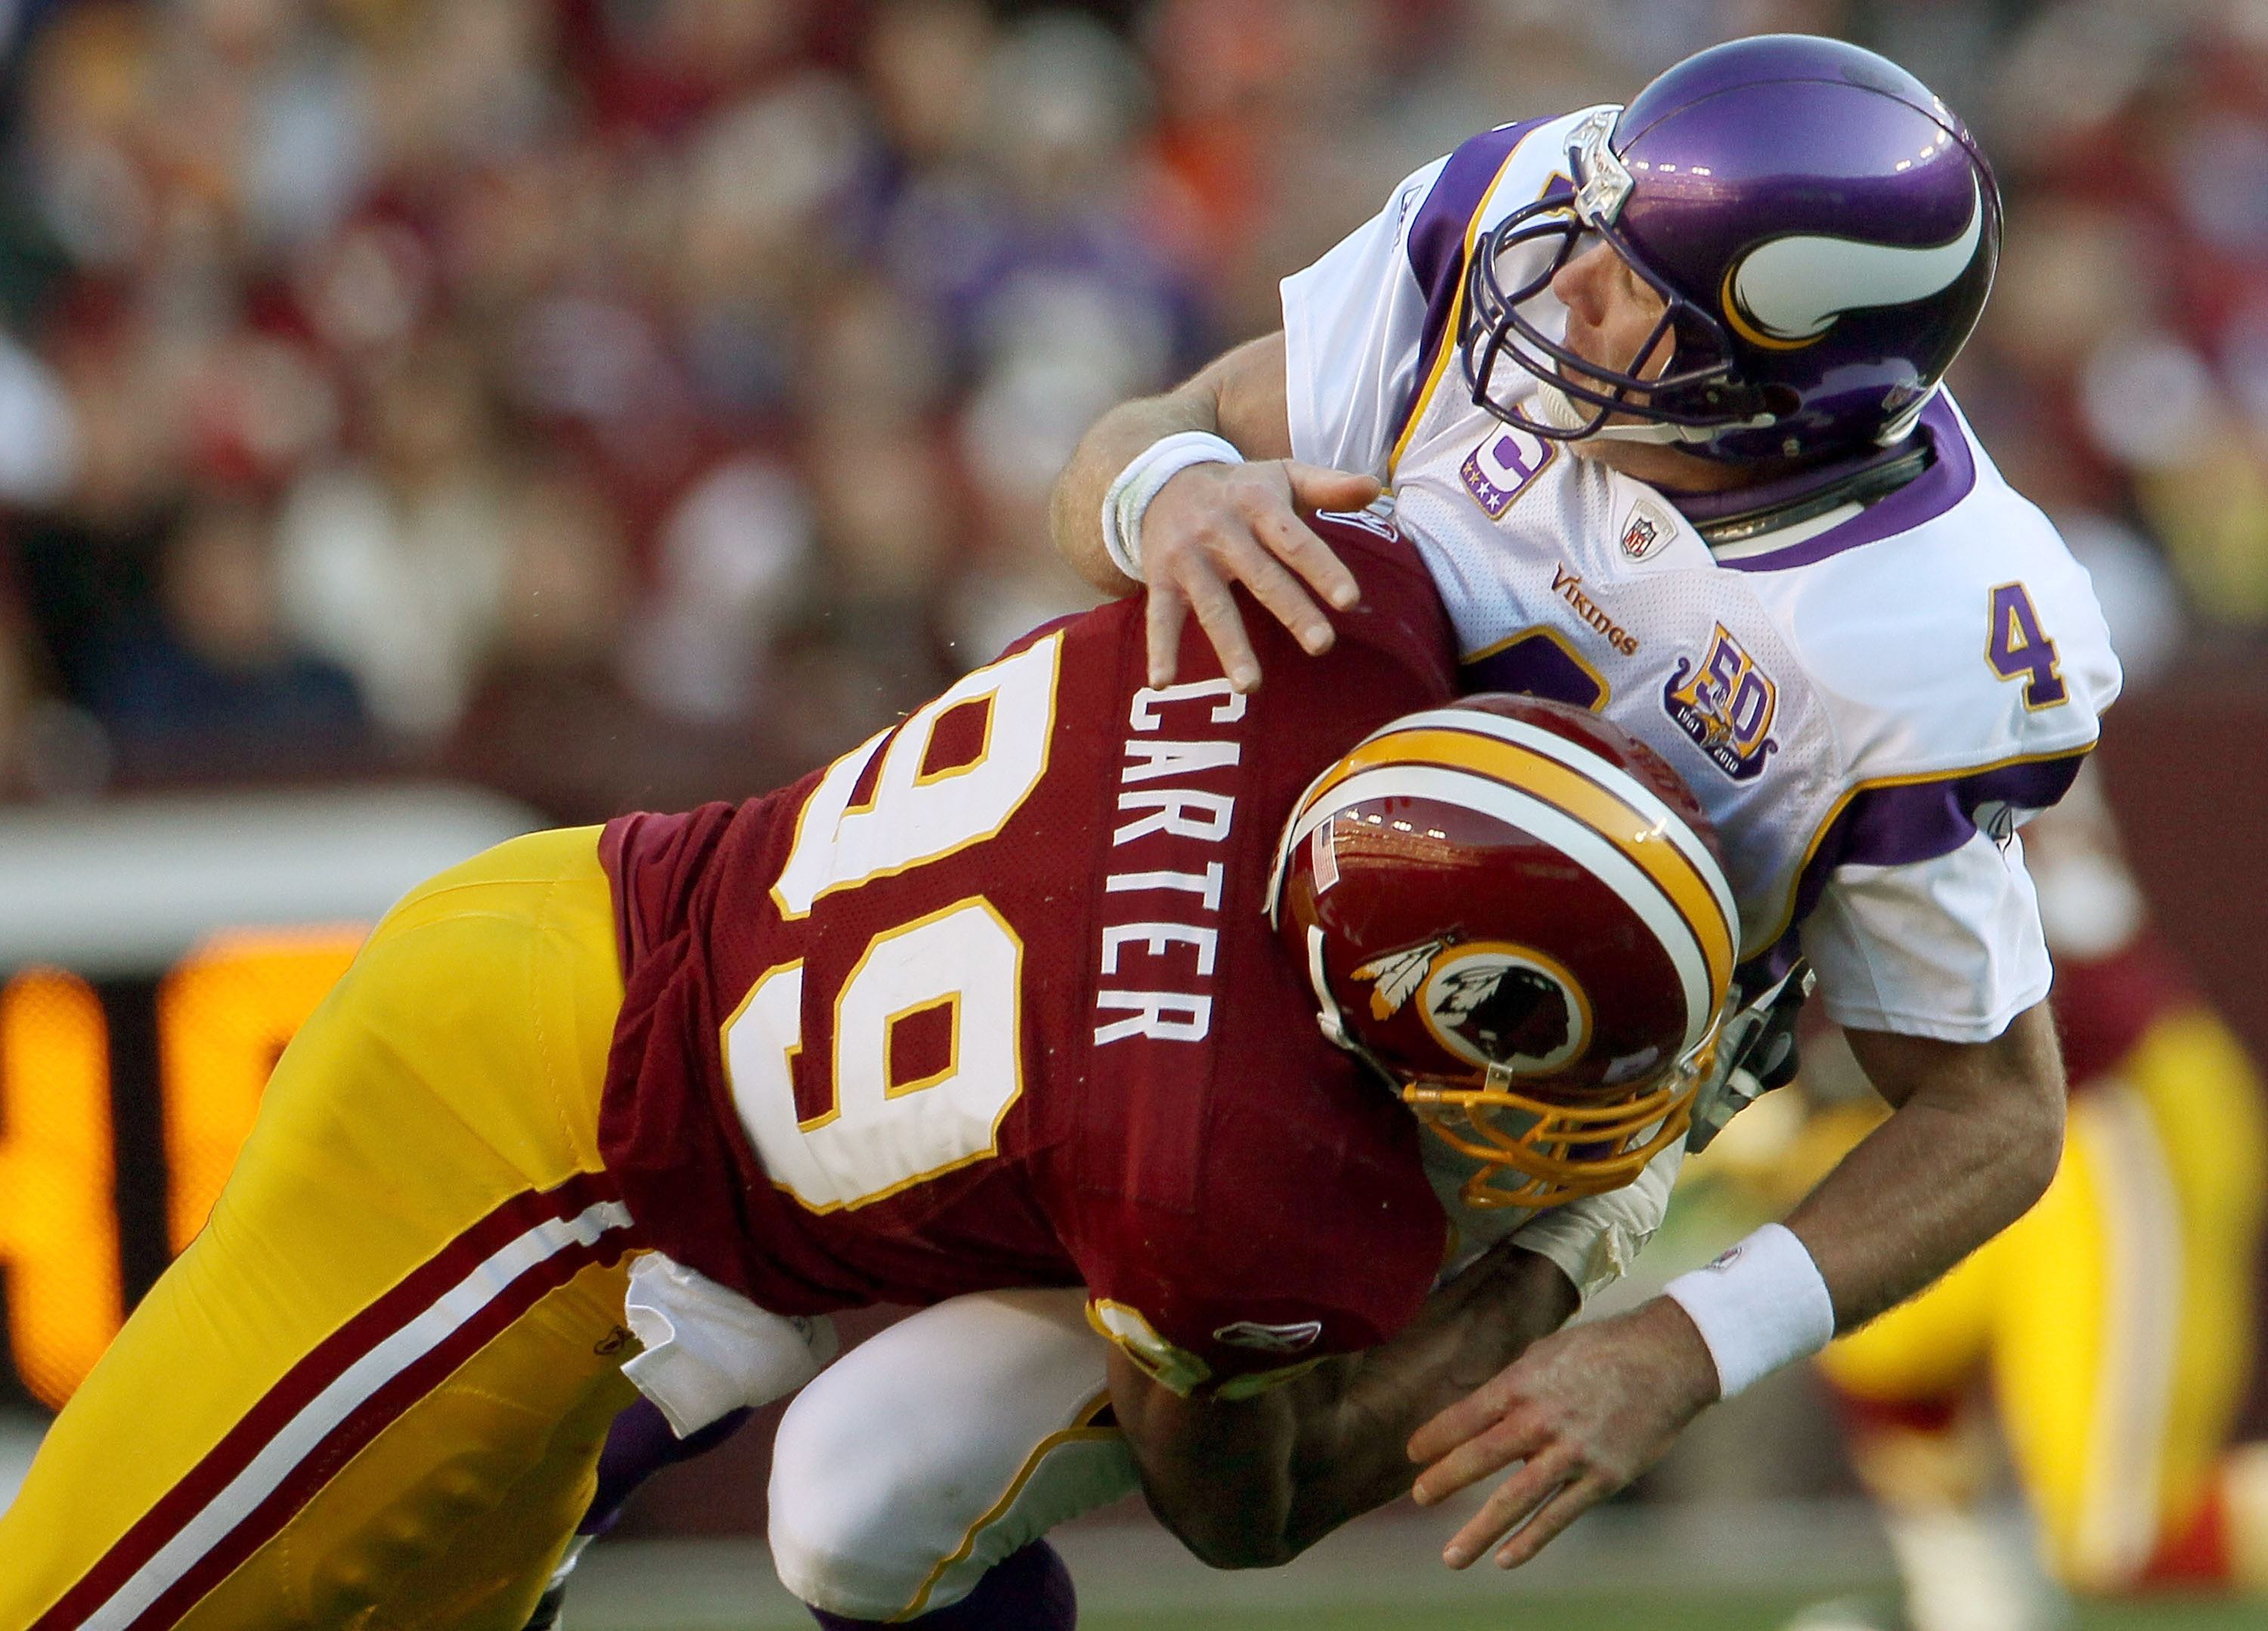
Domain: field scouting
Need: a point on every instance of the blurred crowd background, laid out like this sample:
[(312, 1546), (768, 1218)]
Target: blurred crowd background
[(627, 402)]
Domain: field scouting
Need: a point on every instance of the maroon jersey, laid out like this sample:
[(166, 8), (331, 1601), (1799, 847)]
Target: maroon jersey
[(994, 1000)]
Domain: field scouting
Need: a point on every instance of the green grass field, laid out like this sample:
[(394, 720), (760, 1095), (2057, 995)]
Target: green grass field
[(1659, 1613), (1632, 1571)]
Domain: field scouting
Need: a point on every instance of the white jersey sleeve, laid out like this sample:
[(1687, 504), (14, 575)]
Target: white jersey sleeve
[(1949, 947), (1369, 325), (1965, 669), (1352, 326), (1593, 1240)]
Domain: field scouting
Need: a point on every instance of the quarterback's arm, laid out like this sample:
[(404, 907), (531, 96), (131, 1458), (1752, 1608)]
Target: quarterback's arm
[(1214, 524), (1252, 1482), (1973, 1141)]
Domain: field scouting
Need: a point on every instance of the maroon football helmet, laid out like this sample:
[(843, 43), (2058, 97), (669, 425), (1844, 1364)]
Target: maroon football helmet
[(1517, 913)]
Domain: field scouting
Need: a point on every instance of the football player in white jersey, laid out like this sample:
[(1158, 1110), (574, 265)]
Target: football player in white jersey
[(1655, 390)]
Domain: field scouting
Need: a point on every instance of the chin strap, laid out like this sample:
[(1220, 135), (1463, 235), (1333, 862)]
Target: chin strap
[(1557, 410)]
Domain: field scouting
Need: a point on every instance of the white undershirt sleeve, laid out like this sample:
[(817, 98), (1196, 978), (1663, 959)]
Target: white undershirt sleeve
[(1949, 948), (1352, 324), (1595, 1239)]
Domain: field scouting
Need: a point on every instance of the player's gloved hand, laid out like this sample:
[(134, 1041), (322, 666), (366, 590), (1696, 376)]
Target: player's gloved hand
[(1583, 1412), (1212, 526)]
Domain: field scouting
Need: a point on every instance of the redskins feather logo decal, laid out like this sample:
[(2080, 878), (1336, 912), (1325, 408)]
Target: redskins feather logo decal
[(1397, 974), (1489, 1003)]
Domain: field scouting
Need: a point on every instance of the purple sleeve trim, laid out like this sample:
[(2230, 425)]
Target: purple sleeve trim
[(1916, 822), (1535, 665), (1922, 821), (1437, 239), (1948, 480)]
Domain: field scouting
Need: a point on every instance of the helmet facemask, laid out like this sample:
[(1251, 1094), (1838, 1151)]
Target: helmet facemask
[(1535, 1152), (1538, 1153), (1821, 229), (1697, 396)]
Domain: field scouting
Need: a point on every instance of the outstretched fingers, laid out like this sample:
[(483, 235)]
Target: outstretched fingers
[(1472, 1440), (1318, 487), (1206, 594), (1468, 1419), (1528, 1516), (1508, 1505), (1582, 1412), (1164, 611), (1280, 592), (1297, 545)]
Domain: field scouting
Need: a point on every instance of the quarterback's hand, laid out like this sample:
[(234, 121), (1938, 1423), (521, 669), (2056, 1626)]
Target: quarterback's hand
[(1585, 1412), (1212, 526)]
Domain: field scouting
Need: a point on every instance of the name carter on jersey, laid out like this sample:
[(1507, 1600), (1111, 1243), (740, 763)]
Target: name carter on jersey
[(1183, 817)]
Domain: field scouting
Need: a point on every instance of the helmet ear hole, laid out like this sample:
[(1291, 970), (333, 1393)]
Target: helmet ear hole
[(1781, 401)]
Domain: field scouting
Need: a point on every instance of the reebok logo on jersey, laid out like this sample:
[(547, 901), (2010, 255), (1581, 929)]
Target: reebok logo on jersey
[(1725, 705), (1507, 460), (1288, 1339)]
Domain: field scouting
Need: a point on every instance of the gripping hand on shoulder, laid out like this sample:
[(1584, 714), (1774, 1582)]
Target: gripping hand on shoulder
[(1213, 525)]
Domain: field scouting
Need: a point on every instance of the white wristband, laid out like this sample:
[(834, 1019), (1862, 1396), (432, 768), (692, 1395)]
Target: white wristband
[(1138, 483), (1760, 1306)]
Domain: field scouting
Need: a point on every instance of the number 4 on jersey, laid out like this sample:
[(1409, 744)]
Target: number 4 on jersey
[(2019, 649)]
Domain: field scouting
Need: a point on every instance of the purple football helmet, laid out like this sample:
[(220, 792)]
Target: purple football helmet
[(1821, 227)]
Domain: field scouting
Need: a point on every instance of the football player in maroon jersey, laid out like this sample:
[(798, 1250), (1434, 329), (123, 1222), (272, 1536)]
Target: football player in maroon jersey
[(991, 1002)]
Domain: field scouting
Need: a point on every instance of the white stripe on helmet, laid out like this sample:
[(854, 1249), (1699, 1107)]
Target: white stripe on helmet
[(1580, 843), (1604, 771)]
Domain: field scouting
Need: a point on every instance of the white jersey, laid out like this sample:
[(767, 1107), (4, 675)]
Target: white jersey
[(1867, 703)]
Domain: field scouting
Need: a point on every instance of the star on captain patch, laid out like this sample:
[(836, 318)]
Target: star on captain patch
[(1398, 974)]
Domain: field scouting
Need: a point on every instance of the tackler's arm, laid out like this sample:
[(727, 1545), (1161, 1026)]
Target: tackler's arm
[(1252, 1482)]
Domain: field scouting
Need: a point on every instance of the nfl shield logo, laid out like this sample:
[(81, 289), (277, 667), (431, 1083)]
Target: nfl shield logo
[(1645, 532)]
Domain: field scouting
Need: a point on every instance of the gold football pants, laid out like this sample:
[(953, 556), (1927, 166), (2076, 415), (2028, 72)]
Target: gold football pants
[(2115, 1317), (373, 1391)]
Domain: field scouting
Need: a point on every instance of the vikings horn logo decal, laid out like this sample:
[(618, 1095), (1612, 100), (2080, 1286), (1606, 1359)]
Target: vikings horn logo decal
[(1497, 1005), (1788, 293)]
